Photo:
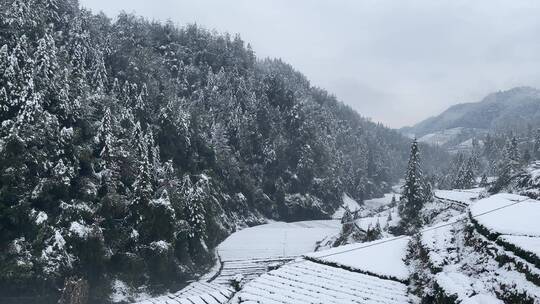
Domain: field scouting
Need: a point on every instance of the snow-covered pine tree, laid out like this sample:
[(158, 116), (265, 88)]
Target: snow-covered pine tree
[(536, 146), (526, 157), (99, 73), (143, 188), (468, 174), (512, 153), (413, 195), (153, 156), (107, 147), (19, 74), (508, 165), (46, 62), (484, 181), (4, 65)]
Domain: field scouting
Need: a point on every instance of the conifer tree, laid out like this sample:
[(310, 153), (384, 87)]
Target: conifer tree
[(467, 174), (107, 146), (193, 198), (536, 146), (413, 193), (143, 188), (484, 181), (508, 165), (46, 65), (526, 158)]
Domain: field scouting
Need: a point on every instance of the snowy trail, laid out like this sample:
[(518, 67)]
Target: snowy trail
[(251, 251)]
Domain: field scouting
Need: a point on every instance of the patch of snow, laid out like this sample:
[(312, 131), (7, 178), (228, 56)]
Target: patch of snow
[(482, 299), (162, 202), (464, 288), (385, 218), (16, 246), (348, 202), (160, 246), (120, 292), (80, 230), (134, 234), (59, 242), (41, 217), (376, 203)]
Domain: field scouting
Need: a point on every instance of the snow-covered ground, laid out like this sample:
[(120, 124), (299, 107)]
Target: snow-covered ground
[(195, 293), (382, 257), (377, 203), (519, 217), (277, 239), (251, 251), (369, 206), (386, 218), (526, 243), (469, 267), (304, 281), (349, 203), (466, 196), (472, 268)]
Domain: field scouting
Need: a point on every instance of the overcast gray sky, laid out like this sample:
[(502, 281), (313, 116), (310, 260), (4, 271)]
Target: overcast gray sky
[(397, 62)]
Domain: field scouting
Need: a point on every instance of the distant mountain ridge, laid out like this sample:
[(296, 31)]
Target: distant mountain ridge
[(514, 109)]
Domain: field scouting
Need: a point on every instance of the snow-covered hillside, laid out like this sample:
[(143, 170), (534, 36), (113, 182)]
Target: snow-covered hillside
[(472, 250), (487, 255)]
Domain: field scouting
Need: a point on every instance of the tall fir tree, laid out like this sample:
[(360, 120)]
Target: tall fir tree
[(536, 145), (413, 195)]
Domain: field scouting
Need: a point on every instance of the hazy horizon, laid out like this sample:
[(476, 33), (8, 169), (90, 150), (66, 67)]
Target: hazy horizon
[(397, 63)]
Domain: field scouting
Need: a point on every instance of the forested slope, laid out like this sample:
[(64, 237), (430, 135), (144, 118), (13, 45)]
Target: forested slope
[(129, 149)]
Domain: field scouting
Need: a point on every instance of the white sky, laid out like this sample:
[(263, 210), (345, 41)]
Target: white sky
[(397, 61)]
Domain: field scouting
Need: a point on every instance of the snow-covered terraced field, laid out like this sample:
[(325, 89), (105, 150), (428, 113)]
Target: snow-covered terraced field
[(249, 269), (383, 258), (461, 196), (251, 251), (277, 239), (515, 224), (376, 203), (526, 243), (310, 282), (195, 293), (518, 214)]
